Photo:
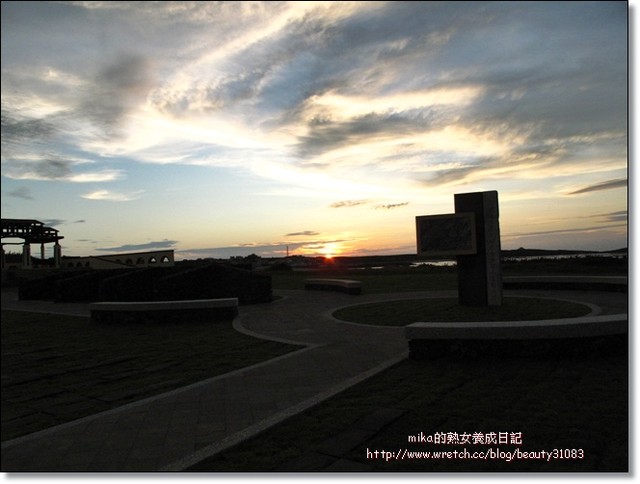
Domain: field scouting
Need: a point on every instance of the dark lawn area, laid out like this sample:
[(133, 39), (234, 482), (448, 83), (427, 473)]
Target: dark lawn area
[(407, 311), (59, 368)]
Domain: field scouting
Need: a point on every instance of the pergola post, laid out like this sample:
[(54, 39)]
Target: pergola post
[(57, 254), (26, 255)]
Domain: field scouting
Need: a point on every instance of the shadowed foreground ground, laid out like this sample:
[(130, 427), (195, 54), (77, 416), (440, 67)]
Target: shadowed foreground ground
[(557, 403)]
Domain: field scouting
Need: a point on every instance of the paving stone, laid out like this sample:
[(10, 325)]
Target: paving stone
[(120, 376), (76, 461), (107, 464), (379, 419), (308, 462), (345, 465), (121, 395), (15, 412), (344, 442), (140, 465)]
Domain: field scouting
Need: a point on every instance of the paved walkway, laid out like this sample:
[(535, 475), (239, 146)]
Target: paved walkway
[(175, 430)]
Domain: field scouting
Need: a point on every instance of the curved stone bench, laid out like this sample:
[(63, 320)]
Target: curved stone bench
[(344, 285), (430, 340), (164, 311)]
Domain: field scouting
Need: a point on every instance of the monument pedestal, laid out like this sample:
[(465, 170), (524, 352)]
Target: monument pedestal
[(480, 274)]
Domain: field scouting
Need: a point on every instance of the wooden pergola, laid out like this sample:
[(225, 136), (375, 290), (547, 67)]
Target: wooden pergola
[(31, 232)]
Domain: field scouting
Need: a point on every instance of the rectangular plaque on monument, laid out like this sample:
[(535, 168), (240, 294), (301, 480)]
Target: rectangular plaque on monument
[(446, 234)]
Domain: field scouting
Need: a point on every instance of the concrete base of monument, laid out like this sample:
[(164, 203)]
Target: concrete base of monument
[(556, 337)]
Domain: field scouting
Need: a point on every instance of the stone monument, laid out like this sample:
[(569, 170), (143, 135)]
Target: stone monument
[(472, 234)]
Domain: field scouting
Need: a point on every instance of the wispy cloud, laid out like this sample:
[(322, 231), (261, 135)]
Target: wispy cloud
[(53, 222), (579, 230), (612, 217), (348, 203), (621, 216), (21, 192), (608, 185), (303, 233), (112, 196), (390, 206), (162, 244), (56, 222), (56, 167)]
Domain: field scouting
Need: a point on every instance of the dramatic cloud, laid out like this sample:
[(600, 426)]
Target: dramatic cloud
[(115, 91), (361, 102), (359, 87)]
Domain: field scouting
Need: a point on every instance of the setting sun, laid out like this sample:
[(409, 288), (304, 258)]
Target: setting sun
[(329, 251)]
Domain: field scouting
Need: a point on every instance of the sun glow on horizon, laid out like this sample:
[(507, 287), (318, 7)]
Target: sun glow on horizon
[(330, 250)]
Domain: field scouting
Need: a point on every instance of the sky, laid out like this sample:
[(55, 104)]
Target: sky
[(223, 129)]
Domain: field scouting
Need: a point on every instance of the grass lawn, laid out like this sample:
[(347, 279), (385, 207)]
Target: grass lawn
[(404, 312), (59, 368)]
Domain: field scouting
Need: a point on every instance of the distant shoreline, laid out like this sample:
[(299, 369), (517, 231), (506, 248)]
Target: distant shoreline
[(504, 254)]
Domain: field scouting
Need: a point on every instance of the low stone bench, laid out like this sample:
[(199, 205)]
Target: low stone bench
[(344, 285), (432, 340), (164, 311)]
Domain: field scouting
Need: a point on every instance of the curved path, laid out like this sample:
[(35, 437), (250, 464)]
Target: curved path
[(177, 429)]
